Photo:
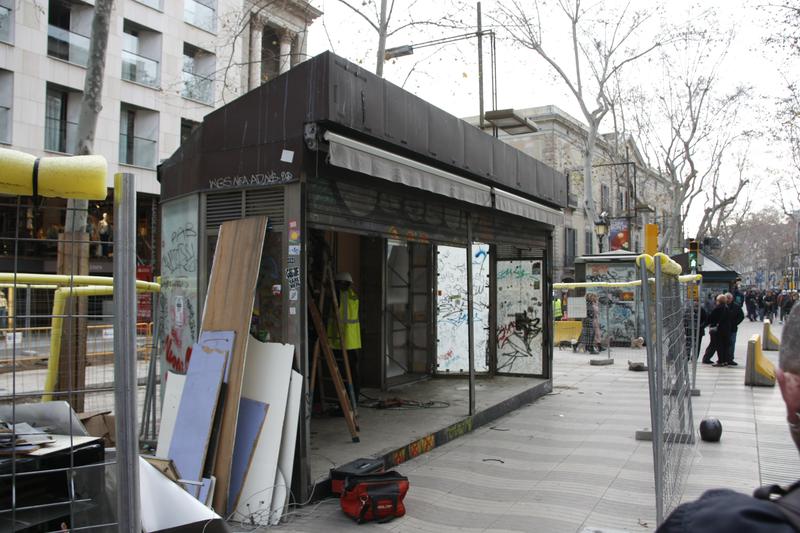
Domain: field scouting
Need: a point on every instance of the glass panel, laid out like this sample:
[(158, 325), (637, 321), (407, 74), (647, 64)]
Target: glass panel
[(155, 4), (137, 151), (60, 135), (199, 15), (452, 308), (397, 309), (139, 69), (178, 302), (519, 317), (66, 45), (198, 88), (5, 124), (5, 24)]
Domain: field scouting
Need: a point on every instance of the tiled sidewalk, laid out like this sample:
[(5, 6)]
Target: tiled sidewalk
[(570, 462)]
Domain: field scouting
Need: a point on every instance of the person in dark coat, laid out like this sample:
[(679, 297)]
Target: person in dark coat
[(719, 322), (750, 304), (737, 317), (723, 510)]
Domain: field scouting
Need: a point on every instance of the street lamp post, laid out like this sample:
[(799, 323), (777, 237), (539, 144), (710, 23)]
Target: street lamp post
[(408, 49), (601, 229)]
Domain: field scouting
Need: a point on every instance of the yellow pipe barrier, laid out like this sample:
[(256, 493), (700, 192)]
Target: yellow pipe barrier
[(64, 280), (59, 303), (81, 177), (688, 278), (668, 265)]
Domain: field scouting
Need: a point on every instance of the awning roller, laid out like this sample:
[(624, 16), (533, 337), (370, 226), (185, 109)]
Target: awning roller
[(367, 159)]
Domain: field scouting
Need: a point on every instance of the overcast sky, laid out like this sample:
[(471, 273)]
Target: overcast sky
[(447, 75)]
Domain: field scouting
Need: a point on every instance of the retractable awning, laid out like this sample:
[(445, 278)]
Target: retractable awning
[(360, 157), (366, 159)]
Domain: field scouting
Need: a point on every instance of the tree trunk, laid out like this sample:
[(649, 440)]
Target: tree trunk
[(588, 192), (381, 40), (73, 249)]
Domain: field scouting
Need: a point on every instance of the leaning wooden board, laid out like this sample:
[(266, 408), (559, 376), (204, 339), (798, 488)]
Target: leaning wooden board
[(229, 307)]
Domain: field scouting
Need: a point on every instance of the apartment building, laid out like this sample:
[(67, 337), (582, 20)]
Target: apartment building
[(168, 64)]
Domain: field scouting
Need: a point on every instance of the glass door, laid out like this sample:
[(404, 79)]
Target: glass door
[(519, 317), (452, 327)]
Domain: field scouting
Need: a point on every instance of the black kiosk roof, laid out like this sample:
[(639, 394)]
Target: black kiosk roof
[(261, 138)]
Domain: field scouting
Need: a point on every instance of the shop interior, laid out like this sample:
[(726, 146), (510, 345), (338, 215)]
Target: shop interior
[(413, 365)]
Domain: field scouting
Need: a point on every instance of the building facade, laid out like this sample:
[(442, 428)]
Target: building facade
[(168, 64), (624, 187)]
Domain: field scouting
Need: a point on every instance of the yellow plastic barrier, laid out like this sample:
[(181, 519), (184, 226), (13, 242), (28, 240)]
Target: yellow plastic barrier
[(759, 372), (769, 341), (62, 280), (566, 330), (81, 177)]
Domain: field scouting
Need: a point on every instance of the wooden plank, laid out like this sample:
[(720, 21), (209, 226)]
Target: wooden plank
[(169, 410), (196, 413), (283, 479), (252, 414), (229, 307), (267, 376)]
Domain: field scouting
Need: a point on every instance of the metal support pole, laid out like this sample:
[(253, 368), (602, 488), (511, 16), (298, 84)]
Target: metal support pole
[(470, 321), (658, 429), (128, 517), (480, 66), (28, 308)]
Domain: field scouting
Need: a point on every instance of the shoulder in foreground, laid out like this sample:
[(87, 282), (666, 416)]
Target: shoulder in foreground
[(723, 511)]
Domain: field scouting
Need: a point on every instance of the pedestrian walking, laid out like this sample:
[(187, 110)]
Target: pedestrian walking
[(736, 317), (719, 322), (761, 309), (769, 306), (750, 305), (590, 329)]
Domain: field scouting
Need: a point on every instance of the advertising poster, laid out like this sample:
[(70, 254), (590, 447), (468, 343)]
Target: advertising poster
[(619, 235)]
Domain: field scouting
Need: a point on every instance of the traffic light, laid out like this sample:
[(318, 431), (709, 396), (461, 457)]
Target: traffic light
[(694, 250)]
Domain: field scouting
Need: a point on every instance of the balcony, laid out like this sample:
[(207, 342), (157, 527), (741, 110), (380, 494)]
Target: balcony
[(199, 88), (139, 69), (200, 15), (5, 124), (5, 24), (68, 46), (60, 136), (137, 151)]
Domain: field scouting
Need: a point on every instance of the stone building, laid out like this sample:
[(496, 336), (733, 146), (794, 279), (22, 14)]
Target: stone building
[(625, 187)]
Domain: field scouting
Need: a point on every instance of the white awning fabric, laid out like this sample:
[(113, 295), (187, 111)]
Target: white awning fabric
[(360, 157)]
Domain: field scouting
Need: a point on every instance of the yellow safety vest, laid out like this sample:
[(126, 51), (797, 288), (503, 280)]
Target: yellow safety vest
[(348, 316), (557, 313)]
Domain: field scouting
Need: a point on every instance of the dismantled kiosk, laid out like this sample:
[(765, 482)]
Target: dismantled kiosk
[(356, 173)]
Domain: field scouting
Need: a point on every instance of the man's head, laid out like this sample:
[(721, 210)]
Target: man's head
[(343, 280), (728, 297), (722, 299), (789, 372)]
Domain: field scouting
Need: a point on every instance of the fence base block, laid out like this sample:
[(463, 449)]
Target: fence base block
[(644, 434), (601, 362)]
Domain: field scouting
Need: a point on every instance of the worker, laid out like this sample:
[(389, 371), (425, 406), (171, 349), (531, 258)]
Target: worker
[(557, 312), (348, 317)]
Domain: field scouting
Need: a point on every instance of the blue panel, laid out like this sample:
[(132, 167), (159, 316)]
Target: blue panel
[(252, 414), (196, 414)]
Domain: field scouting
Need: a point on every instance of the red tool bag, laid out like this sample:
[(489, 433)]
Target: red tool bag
[(377, 497)]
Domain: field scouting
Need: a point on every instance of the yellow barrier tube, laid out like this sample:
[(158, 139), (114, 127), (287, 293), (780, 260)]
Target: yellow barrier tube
[(62, 280), (59, 303)]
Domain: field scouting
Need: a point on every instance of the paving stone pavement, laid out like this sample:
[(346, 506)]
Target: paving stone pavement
[(569, 461)]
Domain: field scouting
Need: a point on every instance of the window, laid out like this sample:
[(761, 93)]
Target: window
[(6, 98), (187, 127), (570, 246), (68, 26), (200, 13), (270, 54), (138, 131), (155, 4), (141, 50), (621, 201), (6, 21), (198, 68), (62, 106), (605, 201), (588, 244)]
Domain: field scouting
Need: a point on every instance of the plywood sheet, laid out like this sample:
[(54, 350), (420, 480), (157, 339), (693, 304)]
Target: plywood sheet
[(229, 307), (169, 410), (196, 413), (252, 414), (267, 376), (283, 479)]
